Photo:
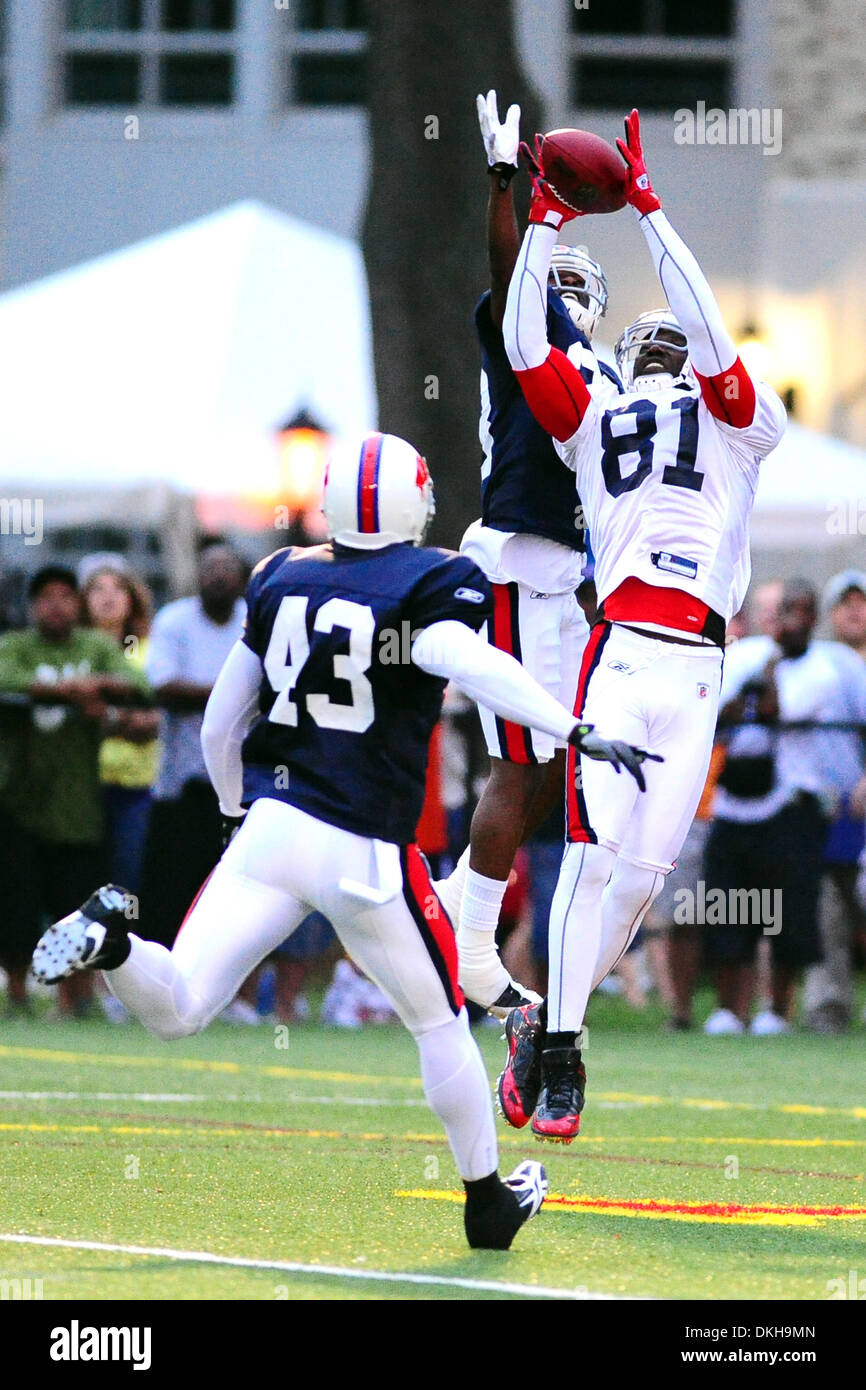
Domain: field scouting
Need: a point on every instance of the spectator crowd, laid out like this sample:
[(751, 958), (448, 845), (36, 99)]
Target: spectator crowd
[(102, 779)]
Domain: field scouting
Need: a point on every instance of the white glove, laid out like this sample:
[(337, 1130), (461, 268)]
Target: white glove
[(500, 141)]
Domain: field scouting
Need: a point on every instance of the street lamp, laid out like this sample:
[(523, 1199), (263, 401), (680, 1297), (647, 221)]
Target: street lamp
[(303, 455)]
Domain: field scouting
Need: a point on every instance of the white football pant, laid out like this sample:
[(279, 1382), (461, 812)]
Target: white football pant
[(622, 842), (281, 865)]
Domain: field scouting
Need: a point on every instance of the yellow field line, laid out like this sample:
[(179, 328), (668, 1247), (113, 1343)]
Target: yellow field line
[(817, 1143), (219, 1133), (43, 1054), (411, 1136), (858, 1112)]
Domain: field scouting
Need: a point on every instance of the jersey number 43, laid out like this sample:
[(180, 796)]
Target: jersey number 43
[(289, 638)]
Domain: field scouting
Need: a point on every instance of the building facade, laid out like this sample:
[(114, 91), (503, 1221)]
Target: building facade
[(122, 118)]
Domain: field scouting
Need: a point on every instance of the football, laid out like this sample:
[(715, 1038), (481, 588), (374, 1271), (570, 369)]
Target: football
[(584, 171)]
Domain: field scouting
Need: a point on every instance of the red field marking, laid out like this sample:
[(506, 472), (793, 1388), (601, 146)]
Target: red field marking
[(718, 1212)]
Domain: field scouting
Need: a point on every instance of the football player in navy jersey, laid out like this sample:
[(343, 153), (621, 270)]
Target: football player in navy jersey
[(319, 724), (530, 544)]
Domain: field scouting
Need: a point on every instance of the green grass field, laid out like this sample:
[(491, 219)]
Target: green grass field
[(706, 1168)]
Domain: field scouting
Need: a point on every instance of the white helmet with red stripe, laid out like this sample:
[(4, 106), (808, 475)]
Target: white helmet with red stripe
[(378, 492)]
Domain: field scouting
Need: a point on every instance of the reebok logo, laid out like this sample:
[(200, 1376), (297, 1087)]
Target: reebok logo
[(77, 1343), (471, 595)]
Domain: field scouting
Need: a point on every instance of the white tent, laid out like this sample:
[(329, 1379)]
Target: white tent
[(811, 494), (176, 358)]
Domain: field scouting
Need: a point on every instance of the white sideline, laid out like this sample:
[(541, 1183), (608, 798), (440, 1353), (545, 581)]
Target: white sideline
[(99, 1095), (290, 1267), (377, 1102)]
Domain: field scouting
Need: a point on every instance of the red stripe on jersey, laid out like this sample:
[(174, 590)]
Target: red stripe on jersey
[(368, 488), (730, 395), (636, 602), (504, 629), (556, 394), (437, 924), (577, 818)]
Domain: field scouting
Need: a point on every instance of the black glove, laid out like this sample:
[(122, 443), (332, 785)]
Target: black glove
[(584, 738), (230, 825)]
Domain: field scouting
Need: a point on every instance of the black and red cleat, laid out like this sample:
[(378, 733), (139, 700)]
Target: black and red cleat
[(561, 1099), (520, 1082)]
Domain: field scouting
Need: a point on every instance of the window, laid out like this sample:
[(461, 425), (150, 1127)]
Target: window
[(211, 16), (83, 16), (331, 14), (325, 42), (673, 18), (195, 79), (149, 52), (95, 79), (658, 55)]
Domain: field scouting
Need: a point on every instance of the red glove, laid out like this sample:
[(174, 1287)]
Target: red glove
[(545, 206), (639, 191)]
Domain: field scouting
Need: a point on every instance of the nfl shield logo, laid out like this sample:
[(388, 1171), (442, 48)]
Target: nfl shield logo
[(703, 690)]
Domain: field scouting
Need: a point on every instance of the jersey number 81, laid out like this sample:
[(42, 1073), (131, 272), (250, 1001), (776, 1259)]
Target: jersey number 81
[(641, 441)]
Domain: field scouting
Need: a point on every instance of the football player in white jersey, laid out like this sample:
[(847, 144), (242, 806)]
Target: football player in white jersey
[(667, 476), (530, 544)]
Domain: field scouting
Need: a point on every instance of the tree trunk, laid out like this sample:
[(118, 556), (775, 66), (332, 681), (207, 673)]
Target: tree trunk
[(424, 232)]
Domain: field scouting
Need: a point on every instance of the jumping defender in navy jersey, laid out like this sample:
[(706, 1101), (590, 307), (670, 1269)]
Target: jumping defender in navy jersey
[(530, 544), (319, 724)]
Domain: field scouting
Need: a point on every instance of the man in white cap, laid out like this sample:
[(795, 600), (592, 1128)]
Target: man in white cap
[(828, 988)]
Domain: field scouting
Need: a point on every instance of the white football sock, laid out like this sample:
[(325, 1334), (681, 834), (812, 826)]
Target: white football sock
[(481, 904), (575, 933), (449, 890), (458, 1091), (482, 974)]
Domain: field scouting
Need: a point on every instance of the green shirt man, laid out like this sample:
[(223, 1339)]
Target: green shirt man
[(49, 749)]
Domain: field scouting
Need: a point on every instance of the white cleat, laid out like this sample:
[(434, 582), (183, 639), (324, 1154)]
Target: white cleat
[(492, 1218), (92, 937), (768, 1024), (723, 1023), (529, 1184)]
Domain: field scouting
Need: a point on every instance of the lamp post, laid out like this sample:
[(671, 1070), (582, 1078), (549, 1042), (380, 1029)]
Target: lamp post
[(303, 446)]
